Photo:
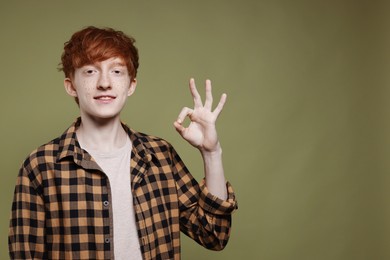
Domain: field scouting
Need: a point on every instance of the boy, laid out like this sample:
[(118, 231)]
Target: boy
[(105, 191)]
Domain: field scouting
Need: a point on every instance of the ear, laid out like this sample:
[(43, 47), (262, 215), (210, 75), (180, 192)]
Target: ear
[(133, 85), (70, 89)]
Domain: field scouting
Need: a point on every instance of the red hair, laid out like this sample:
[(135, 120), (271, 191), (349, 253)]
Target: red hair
[(92, 44)]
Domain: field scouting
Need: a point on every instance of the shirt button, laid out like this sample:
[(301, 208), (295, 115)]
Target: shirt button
[(106, 240), (106, 203)]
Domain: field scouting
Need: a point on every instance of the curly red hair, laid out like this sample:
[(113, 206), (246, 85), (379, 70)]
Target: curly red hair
[(93, 44)]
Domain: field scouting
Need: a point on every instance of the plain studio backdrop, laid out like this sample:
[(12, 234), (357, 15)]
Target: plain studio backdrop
[(305, 130)]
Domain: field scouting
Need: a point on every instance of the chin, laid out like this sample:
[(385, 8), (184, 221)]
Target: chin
[(103, 116)]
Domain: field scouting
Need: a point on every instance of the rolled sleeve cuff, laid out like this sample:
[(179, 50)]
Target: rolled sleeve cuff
[(215, 205)]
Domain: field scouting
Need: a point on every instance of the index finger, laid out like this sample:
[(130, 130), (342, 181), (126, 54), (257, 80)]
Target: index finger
[(195, 94)]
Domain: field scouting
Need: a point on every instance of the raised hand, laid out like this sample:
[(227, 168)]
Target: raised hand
[(201, 132)]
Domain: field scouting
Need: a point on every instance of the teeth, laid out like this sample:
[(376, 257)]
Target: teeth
[(106, 98)]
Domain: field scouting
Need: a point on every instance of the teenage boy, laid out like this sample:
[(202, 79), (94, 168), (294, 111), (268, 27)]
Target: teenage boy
[(105, 191)]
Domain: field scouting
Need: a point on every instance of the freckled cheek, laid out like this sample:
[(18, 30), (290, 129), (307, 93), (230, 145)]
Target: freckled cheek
[(121, 85), (86, 88), (90, 91)]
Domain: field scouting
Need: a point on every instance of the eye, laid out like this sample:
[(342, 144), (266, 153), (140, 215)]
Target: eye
[(117, 72), (90, 71)]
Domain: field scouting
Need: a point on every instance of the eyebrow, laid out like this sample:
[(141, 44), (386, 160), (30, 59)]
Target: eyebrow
[(96, 64), (119, 63)]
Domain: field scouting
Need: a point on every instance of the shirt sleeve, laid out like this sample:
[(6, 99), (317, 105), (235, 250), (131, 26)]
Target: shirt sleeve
[(26, 231), (215, 205), (203, 217)]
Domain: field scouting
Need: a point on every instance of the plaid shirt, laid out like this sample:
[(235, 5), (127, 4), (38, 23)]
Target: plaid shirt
[(62, 210)]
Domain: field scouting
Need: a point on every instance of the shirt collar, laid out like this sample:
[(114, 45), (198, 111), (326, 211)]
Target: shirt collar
[(138, 141), (70, 147)]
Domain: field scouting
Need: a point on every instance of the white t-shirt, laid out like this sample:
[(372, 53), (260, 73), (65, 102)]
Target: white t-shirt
[(116, 165)]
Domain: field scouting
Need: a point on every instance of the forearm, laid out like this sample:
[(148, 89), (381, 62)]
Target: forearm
[(209, 221), (214, 173)]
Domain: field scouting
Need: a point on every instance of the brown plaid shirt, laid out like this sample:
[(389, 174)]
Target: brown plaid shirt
[(62, 210)]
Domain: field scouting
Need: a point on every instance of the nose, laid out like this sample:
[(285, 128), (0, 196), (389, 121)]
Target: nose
[(104, 82)]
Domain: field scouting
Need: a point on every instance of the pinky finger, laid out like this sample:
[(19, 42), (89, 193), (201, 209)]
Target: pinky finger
[(220, 105)]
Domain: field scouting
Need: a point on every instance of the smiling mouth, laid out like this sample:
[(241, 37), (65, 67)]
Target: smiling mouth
[(104, 97)]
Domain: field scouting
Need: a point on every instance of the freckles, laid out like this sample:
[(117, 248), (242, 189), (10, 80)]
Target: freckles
[(85, 89), (120, 84), (89, 87)]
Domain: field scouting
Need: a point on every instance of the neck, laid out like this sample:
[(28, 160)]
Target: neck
[(103, 135)]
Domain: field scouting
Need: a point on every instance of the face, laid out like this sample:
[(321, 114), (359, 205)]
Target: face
[(101, 88)]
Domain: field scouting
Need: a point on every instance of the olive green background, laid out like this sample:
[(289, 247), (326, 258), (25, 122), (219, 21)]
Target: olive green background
[(305, 129)]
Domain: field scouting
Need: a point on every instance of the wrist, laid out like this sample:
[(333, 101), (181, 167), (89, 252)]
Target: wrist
[(212, 153)]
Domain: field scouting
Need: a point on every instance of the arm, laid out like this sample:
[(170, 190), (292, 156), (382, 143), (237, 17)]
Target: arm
[(203, 217), (26, 232), (202, 134)]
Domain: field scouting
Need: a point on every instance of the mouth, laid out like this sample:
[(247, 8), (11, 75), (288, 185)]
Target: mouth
[(104, 97)]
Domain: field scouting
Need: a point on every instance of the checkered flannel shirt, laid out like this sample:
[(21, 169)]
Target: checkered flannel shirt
[(62, 210)]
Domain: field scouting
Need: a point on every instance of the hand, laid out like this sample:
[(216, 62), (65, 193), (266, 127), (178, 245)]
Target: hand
[(201, 132)]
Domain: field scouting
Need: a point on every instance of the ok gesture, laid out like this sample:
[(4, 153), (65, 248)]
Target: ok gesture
[(201, 132)]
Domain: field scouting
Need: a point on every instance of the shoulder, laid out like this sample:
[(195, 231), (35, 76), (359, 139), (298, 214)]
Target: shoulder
[(151, 142), (50, 152), (159, 148), (42, 155), (38, 162), (150, 139)]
